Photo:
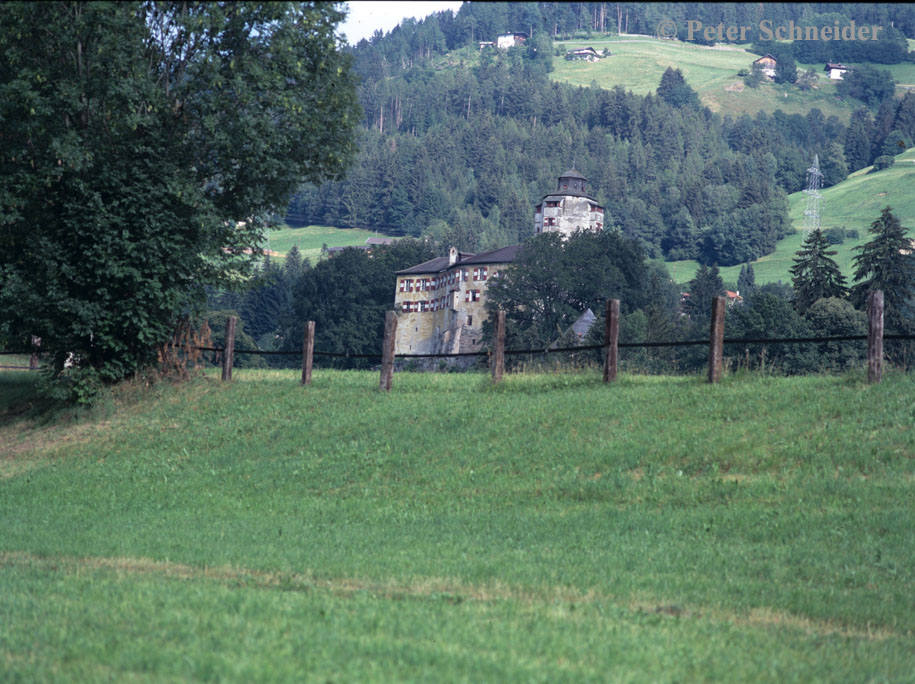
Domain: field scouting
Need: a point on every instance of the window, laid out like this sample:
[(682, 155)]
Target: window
[(405, 307), (470, 320), (463, 275), (550, 221), (483, 271), (403, 285), (472, 296), (554, 203), (479, 273), (427, 284), (408, 286)]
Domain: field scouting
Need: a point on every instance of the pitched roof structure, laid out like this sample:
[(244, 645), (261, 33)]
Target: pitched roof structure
[(502, 255)]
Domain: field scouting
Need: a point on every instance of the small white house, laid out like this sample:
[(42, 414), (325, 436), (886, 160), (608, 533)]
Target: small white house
[(836, 71), (509, 40)]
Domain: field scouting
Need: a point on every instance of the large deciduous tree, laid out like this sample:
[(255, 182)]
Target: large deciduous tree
[(815, 274), (142, 148)]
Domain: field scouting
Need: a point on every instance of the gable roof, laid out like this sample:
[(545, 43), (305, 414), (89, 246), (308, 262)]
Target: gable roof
[(503, 255)]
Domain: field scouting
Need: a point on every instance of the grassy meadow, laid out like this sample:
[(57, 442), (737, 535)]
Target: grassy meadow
[(311, 239), (638, 62), (547, 529)]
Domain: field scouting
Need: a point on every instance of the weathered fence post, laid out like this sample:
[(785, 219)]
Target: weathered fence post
[(716, 341), (33, 357), (308, 350), (387, 351), (611, 339), (498, 357), (875, 337), (228, 357)]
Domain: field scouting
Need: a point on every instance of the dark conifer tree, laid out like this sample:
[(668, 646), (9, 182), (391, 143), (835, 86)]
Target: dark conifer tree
[(887, 263), (815, 274)]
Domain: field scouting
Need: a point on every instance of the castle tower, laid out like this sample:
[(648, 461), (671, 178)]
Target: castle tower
[(569, 209)]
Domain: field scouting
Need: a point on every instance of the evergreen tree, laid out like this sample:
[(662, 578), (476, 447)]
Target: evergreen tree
[(785, 68), (674, 89), (887, 263), (703, 288), (746, 281), (815, 274)]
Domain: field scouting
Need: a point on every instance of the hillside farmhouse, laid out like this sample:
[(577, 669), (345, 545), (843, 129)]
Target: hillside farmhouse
[(441, 303), (509, 40), (836, 71), (586, 54), (767, 64)]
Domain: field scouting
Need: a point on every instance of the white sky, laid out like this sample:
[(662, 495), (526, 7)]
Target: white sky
[(364, 18)]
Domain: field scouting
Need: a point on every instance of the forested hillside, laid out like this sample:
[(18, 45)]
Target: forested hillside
[(459, 144)]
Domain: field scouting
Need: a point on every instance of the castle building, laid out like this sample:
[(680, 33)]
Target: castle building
[(569, 209), (440, 303)]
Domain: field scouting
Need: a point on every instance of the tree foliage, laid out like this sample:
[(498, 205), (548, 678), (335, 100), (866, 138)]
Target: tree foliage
[(887, 263), (553, 281), (143, 147), (815, 274)]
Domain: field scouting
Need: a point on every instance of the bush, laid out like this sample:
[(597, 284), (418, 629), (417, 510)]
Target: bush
[(835, 236), (884, 161)]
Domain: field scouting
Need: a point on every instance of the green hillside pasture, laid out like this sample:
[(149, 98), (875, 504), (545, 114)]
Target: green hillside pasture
[(311, 239), (855, 203), (548, 529), (637, 64)]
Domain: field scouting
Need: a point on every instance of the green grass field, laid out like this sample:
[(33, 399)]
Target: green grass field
[(637, 64), (548, 529), (311, 239)]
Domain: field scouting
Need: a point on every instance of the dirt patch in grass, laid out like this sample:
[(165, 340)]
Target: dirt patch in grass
[(447, 589)]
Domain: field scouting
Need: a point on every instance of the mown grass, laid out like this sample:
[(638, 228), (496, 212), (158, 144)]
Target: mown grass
[(637, 64), (547, 529), (311, 239)]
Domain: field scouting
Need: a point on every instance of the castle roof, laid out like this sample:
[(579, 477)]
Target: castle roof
[(572, 173), (503, 255)]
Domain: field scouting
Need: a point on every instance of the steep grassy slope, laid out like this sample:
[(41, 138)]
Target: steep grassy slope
[(549, 529), (854, 203), (637, 64)]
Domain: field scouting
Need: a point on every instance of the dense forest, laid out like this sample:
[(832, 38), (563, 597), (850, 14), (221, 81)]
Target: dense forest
[(462, 154)]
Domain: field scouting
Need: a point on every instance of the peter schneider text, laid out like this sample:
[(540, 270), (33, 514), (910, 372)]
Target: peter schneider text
[(768, 31)]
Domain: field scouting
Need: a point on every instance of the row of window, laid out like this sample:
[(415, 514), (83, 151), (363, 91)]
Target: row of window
[(423, 284), (437, 304), (594, 208)]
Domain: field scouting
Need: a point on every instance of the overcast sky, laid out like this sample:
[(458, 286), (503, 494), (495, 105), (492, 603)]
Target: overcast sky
[(364, 18)]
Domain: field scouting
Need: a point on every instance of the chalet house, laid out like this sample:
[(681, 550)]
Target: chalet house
[(441, 303), (509, 40), (486, 43), (587, 54), (767, 64), (569, 209), (836, 71)]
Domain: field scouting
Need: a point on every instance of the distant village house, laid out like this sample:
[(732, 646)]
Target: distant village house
[(586, 54), (835, 70), (509, 40), (767, 64)]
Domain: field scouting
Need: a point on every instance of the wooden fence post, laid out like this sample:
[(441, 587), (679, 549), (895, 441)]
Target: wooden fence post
[(716, 341), (387, 351), (875, 337), (33, 357), (308, 350), (498, 357), (611, 339), (228, 357)]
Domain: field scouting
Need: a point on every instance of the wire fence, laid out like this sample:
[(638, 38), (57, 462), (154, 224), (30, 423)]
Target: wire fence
[(875, 338)]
